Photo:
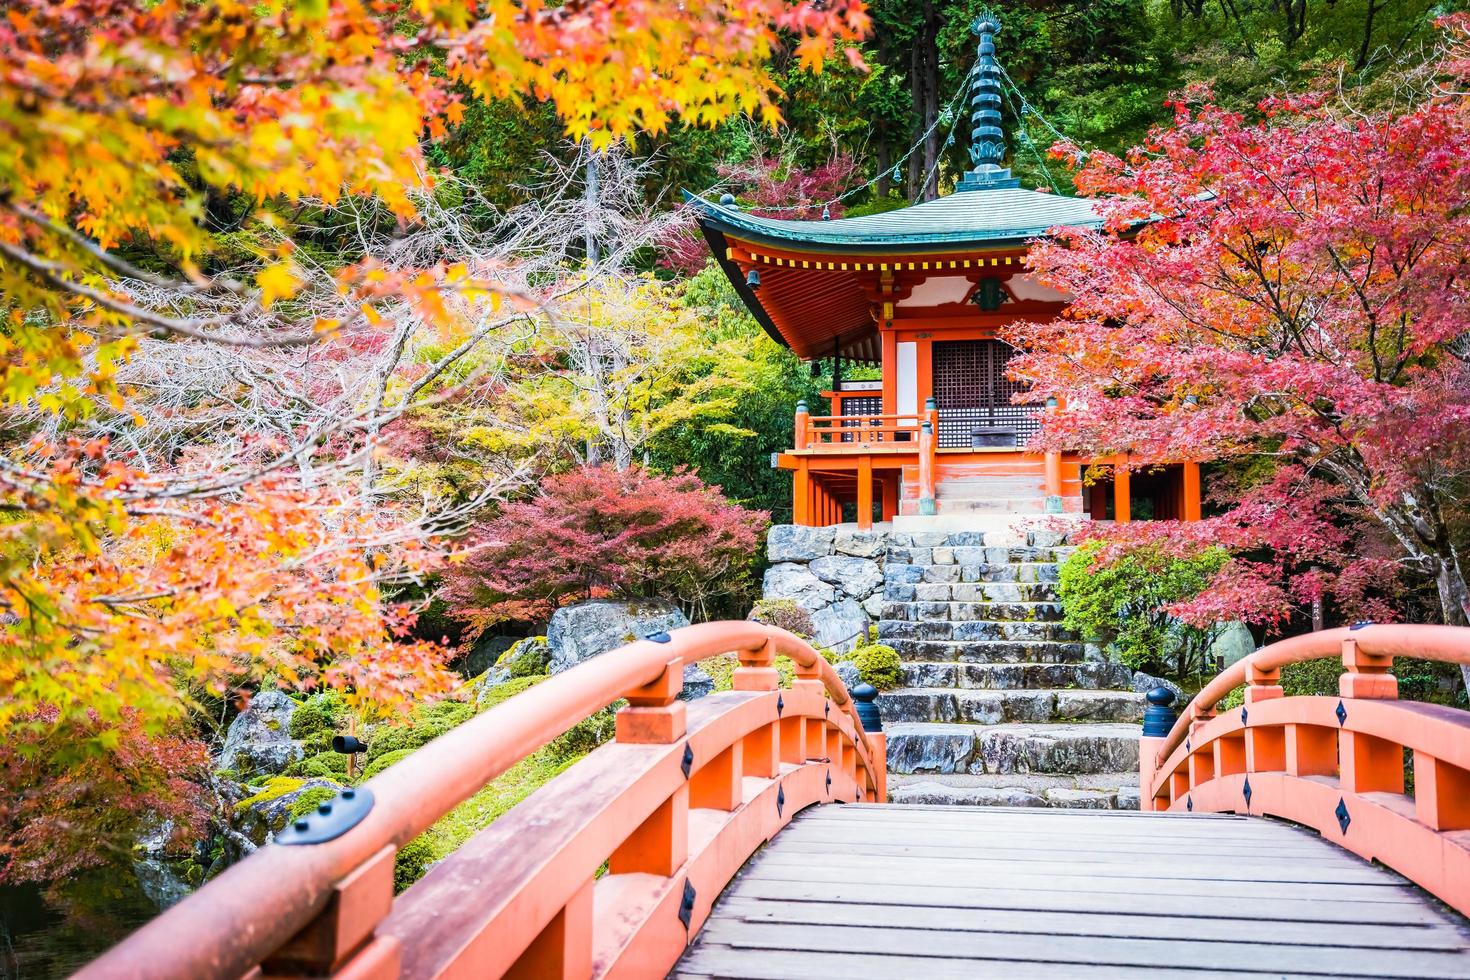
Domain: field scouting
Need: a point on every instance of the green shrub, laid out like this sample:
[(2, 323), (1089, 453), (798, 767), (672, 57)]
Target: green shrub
[(584, 736), (323, 765), (425, 725), (509, 689), (384, 761), (317, 719), (783, 614), (1121, 604), (878, 665), (412, 861)]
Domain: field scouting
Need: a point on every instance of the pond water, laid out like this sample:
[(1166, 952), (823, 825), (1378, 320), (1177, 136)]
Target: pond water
[(44, 935)]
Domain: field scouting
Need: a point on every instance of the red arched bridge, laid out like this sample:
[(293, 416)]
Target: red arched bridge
[(745, 835)]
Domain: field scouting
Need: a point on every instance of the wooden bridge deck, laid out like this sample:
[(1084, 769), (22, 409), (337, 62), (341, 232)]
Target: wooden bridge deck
[(937, 892)]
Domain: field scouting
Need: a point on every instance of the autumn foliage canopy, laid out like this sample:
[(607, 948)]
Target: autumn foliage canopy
[(163, 163), (1289, 292)]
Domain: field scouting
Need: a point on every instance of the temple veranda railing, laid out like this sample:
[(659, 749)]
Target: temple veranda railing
[(1336, 764), (672, 808)]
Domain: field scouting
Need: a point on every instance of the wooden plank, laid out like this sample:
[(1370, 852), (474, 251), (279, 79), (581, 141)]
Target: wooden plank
[(1256, 909), (713, 961), (1098, 832), (1199, 926), (1181, 829), (1253, 953), (950, 874), (956, 892), (984, 867), (987, 850)]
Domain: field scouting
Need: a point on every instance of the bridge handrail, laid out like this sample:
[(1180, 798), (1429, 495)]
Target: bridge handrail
[(1336, 764), (316, 895), (1450, 644)]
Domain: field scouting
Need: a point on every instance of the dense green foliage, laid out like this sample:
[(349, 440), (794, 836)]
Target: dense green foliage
[(878, 665), (1123, 604)]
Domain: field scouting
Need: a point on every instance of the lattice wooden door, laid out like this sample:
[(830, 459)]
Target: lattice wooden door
[(972, 392)]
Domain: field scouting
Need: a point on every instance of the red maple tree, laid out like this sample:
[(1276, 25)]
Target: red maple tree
[(598, 531), (1291, 290)]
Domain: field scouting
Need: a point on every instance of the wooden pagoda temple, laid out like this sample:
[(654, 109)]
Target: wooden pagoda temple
[(921, 292)]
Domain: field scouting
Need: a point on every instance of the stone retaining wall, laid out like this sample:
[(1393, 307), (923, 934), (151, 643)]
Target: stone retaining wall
[(834, 573)]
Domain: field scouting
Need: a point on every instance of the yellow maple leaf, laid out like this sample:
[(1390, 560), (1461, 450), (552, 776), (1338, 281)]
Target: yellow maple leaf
[(276, 282)]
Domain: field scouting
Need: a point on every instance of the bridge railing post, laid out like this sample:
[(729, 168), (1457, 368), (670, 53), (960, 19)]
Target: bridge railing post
[(761, 749), (865, 698), (1368, 764), (1158, 718), (655, 716)]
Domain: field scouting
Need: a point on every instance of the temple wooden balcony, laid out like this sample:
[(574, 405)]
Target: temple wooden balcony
[(844, 465)]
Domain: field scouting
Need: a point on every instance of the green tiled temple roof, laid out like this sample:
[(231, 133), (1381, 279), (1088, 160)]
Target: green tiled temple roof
[(983, 216)]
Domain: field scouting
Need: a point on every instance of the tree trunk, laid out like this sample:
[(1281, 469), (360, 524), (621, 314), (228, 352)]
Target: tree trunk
[(1454, 600), (590, 198), (924, 84)]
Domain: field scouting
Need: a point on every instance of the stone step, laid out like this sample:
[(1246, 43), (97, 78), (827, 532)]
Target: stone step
[(971, 605), (1005, 612), (918, 747), (1084, 791), (1009, 537), (1002, 707), (971, 555), (973, 630), (989, 651), (973, 592), (1006, 677), (998, 505), (1026, 573), (982, 487)]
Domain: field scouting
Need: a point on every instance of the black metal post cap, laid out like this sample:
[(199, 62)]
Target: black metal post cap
[(1160, 695), (865, 697), (1158, 717), (348, 744)]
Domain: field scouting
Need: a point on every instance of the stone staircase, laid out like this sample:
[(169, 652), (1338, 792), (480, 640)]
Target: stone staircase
[(1001, 706)]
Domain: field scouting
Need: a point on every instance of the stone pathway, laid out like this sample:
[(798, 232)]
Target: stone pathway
[(1001, 705)]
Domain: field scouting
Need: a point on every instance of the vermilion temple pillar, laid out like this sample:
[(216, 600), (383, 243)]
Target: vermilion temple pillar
[(1122, 491), (801, 494), (865, 493), (1191, 492)]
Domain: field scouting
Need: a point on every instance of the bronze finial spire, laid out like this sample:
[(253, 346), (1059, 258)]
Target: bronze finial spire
[(987, 138)]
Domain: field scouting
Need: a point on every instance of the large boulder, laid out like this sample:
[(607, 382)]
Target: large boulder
[(484, 654), (259, 742), (792, 542), (1143, 683), (841, 626), (580, 632), (858, 577), (1234, 642), (860, 544), (797, 583)]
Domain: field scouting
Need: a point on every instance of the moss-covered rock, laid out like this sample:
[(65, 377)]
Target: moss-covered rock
[(279, 801), (527, 658), (784, 614)]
